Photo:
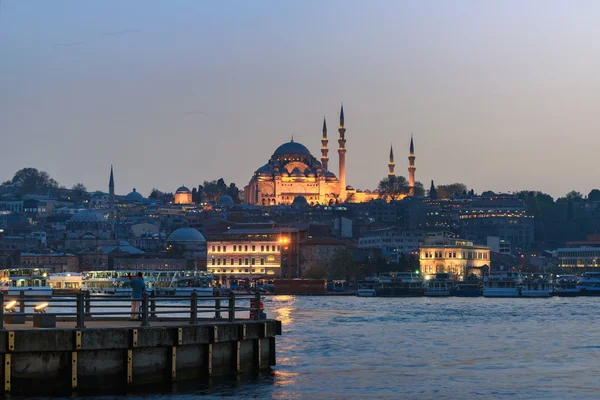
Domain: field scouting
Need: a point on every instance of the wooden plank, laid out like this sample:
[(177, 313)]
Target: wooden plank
[(7, 367), (11, 340), (130, 366), (74, 369), (210, 351)]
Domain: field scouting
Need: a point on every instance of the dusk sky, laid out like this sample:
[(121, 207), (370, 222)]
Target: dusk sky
[(500, 95)]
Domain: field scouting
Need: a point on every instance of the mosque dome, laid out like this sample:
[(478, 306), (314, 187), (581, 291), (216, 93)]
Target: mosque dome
[(225, 201), (88, 215), (330, 176), (265, 170), (186, 235), (310, 173), (134, 196), (296, 173), (292, 148), (182, 189)]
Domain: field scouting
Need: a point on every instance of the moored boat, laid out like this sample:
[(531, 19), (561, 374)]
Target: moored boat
[(65, 282), (536, 285), (501, 284), (439, 285), (30, 281), (366, 289), (566, 286), (399, 284), (589, 284)]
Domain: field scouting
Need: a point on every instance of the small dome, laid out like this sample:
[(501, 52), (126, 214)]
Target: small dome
[(330, 176), (104, 235), (186, 235), (225, 201), (265, 170), (291, 148), (88, 236), (182, 189), (310, 173), (134, 196), (88, 215), (349, 187)]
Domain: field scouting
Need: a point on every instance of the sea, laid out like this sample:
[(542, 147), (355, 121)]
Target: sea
[(421, 348)]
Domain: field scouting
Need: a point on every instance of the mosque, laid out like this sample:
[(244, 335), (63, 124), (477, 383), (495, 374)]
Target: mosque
[(292, 171)]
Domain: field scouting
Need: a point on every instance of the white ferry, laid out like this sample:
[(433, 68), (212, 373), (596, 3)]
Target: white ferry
[(501, 284), (399, 284), (566, 286), (366, 289), (115, 283), (589, 284), (32, 281), (184, 283), (439, 285), (65, 282), (537, 285)]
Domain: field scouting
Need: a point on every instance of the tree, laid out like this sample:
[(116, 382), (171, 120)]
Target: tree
[(213, 191), (79, 187), (233, 192), (154, 194), (393, 187), (488, 193), (419, 189), (454, 189), (342, 266), (594, 195), (30, 180), (317, 271)]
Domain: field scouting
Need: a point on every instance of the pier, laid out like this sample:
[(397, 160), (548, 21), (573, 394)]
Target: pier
[(91, 345)]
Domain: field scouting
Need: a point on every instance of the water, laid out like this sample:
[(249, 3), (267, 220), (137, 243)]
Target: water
[(421, 348)]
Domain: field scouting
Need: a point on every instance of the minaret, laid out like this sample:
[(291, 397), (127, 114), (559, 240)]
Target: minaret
[(391, 164), (411, 168), (111, 183), (324, 149), (342, 156)]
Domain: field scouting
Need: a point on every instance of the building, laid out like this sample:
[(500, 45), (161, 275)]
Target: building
[(183, 195), (293, 171), (580, 256), (453, 256), (54, 262), (498, 245), (318, 254), (394, 241)]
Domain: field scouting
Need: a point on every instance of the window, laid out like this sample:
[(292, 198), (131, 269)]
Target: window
[(253, 261), (253, 248), (246, 261), (246, 270), (218, 261), (213, 248), (262, 261), (213, 261), (224, 248), (240, 261), (246, 248), (262, 248), (218, 248)]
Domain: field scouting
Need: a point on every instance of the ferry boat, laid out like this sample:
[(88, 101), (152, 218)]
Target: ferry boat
[(537, 285), (366, 289), (32, 281), (184, 283), (468, 288), (566, 286), (501, 284), (589, 284), (439, 285), (399, 284), (65, 282), (115, 283)]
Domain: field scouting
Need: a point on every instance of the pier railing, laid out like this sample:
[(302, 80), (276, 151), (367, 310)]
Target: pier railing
[(82, 307)]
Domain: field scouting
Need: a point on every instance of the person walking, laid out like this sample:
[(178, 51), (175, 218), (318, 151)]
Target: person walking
[(138, 286)]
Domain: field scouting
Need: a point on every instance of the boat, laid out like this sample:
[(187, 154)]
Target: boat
[(366, 289), (439, 285), (468, 288), (184, 283), (399, 284), (65, 282), (30, 281), (115, 283), (501, 284), (566, 286), (589, 284), (536, 285)]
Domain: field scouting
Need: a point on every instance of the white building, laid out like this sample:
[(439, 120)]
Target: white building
[(453, 256)]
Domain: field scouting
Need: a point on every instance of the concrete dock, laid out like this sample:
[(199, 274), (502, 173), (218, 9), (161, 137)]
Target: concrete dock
[(114, 355)]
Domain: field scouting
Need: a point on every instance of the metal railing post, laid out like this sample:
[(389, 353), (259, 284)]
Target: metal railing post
[(152, 305), (22, 302), (194, 308), (145, 321), (218, 308), (1, 310), (88, 303), (80, 302), (231, 306), (257, 304)]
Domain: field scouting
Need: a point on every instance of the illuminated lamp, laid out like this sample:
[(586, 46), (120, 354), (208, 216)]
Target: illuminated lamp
[(10, 307), (41, 308)]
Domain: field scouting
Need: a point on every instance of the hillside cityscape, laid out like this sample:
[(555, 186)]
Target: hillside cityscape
[(296, 219)]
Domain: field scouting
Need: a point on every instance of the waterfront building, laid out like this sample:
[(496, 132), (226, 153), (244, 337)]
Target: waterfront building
[(318, 253), (580, 256), (293, 171), (53, 262), (452, 256)]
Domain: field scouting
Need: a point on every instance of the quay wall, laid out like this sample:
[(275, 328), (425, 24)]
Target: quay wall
[(113, 359)]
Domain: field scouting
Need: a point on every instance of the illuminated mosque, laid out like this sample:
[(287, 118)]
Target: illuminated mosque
[(292, 171)]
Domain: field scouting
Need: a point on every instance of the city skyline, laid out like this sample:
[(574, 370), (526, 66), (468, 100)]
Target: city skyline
[(174, 94)]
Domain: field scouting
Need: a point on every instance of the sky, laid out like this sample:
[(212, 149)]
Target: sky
[(499, 95)]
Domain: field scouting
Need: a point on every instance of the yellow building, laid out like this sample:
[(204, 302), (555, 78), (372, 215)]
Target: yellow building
[(292, 171), (453, 256)]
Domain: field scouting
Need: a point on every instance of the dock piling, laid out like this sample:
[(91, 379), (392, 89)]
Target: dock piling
[(194, 308), (231, 306)]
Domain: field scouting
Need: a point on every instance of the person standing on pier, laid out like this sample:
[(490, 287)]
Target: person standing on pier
[(138, 286)]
